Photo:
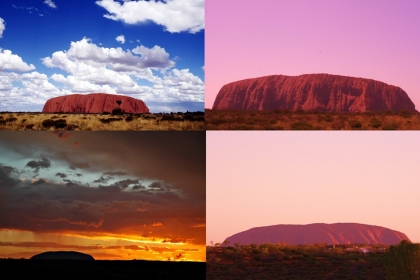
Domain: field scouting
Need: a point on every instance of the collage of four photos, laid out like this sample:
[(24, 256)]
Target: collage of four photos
[(210, 139)]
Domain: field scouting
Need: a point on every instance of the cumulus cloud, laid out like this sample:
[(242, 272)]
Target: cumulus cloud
[(2, 26), (13, 62), (114, 70), (120, 39), (145, 73), (174, 15), (50, 3)]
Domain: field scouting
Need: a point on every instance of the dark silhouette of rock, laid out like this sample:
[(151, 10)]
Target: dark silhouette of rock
[(317, 92), (340, 233), (63, 255), (94, 103)]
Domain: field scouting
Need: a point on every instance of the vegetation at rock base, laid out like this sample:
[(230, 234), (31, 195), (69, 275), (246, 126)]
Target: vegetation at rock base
[(100, 269), (99, 122), (314, 261), (309, 120), (403, 261)]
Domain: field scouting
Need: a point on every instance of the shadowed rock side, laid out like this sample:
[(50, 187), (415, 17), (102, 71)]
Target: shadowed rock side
[(63, 255), (317, 92), (340, 233), (94, 103)]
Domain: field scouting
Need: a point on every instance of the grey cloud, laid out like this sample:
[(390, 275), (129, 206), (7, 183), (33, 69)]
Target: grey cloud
[(62, 175), (36, 165)]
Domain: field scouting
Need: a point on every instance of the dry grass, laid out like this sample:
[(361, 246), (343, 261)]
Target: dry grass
[(301, 120), (101, 122)]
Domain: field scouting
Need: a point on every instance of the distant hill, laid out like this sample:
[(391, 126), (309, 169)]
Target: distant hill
[(63, 255), (339, 233)]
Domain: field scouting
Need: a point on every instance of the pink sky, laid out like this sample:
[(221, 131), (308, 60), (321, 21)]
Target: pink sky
[(371, 39), (263, 178)]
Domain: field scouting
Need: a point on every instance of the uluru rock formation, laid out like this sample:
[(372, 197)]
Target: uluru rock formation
[(312, 92), (94, 103), (339, 233), (63, 255)]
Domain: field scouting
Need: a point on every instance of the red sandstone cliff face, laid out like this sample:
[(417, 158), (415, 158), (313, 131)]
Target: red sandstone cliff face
[(340, 233), (93, 103), (320, 92)]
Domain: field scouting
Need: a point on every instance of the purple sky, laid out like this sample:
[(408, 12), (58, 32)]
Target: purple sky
[(262, 178), (371, 39)]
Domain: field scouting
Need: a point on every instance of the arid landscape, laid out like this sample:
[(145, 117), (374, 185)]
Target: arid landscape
[(107, 121), (312, 261), (76, 269), (282, 261), (310, 120)]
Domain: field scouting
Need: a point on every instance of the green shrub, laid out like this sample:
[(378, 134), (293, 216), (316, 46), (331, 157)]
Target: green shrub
[(328, 118), (390, 126), (12, 119), (403, 261), (301, 126), (60, 123), (355, 124), (48, 123), (117, 111), (375, 123), (405, 113), (109, 120)]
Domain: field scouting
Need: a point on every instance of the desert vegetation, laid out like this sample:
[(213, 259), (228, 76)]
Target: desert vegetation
[(76, 269), (116, 120), (310, 120), (314, 261)]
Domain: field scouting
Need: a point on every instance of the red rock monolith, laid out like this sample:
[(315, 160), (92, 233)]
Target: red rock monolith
[(312, 92), (339, 233), (94, 103)]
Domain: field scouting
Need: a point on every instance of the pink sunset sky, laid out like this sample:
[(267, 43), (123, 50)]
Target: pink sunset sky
[(376, 39), (262, 178)]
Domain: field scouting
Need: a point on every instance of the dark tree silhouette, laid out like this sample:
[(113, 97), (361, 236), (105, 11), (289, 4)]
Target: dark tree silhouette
[(403, 261)]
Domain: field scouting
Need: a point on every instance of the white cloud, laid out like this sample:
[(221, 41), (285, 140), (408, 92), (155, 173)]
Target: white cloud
[(13, 62), (50, 3), (174, 15), (120, 39), (143, 73), (113, 70), (31, 93), (113, 58), (2, 26)]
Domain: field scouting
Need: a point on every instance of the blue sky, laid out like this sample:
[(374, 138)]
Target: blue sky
[(150, 50)]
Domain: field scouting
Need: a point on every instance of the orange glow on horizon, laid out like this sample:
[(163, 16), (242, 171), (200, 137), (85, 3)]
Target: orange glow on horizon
[(25, 244)]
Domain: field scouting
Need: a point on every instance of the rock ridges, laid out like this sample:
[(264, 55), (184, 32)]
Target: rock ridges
[(317, 92), (94, 103), (63, 255), (339, 233)]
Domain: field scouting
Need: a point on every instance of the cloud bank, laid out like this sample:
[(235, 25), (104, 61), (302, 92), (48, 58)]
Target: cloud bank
[(146, 188), (144, 73), (174, 15)]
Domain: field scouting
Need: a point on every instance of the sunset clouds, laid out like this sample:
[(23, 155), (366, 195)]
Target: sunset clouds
[(139, 191)]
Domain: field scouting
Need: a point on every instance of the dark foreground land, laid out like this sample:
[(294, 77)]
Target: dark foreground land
[(74, 269), (106, 121), (275, 261), (306, 120)]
